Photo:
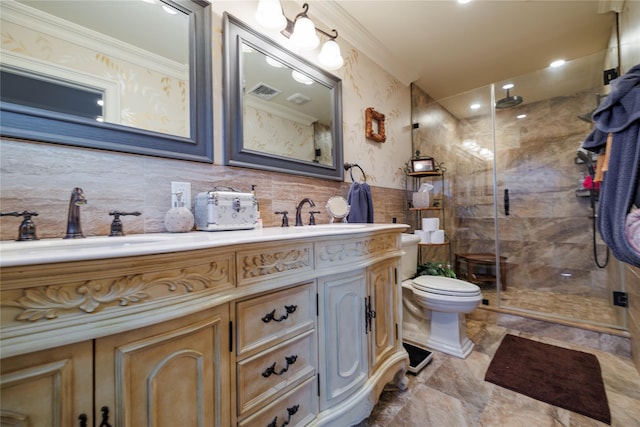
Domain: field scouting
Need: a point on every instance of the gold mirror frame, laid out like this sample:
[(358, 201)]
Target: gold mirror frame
[(370, 116)]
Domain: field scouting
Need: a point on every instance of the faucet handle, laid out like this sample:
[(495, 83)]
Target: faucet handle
[(27, 229), (312, 218), (285, 219), (116, 225)]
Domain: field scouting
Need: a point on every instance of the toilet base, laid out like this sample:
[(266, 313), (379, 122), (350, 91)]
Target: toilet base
[(449, 335)]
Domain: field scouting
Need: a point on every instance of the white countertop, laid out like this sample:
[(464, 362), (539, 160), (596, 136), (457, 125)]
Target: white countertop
[(47, 251)]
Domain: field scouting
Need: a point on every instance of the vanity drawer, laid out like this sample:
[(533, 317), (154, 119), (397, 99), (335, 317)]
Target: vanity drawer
[(299, 407), (264, 320), (271, 372)]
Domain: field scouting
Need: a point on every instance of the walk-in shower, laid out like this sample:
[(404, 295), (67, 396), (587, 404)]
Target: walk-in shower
[(544, 248)]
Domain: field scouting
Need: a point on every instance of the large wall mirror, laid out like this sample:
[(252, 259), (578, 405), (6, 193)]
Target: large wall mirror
[(282, 113), (130, 76)]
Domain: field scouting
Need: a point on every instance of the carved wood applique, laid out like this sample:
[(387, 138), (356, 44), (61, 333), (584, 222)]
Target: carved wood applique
[(370, 116), (350, 250), (276, 262), (47, 302)]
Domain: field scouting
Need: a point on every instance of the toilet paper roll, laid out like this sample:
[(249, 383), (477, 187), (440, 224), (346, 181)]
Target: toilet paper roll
[(437, 236), (430, 224), (425, 236)]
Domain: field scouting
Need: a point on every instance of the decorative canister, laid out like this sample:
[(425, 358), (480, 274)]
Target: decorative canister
[(179, 219)]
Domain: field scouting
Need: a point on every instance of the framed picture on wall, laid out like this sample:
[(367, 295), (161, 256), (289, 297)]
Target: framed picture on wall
[(423, 164)]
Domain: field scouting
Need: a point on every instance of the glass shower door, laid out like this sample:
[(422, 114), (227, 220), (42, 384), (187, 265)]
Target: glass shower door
[(544, 215)]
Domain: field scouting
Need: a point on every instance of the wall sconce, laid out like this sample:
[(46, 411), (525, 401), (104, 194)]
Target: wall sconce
[(301, 32)]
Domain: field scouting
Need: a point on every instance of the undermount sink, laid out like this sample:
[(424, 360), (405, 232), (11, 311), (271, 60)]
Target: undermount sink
[(330, 227), (102, 242), (52, 250)]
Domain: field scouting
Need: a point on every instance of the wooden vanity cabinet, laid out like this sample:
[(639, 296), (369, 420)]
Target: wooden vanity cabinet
[(343, 344), (48, 388), (383, 299), (277, 353), (296, 332), (177, 370)]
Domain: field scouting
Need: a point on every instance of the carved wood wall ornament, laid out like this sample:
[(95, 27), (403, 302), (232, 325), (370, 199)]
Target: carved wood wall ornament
[(370, 116)]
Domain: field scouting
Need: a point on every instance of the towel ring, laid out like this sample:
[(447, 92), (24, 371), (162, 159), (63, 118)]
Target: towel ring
[(349, 167)]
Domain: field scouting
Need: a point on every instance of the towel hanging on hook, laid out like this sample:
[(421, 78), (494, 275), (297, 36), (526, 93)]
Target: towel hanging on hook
[(349, 167)]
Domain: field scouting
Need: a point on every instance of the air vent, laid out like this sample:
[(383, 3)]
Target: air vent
[(264, 91), (298, 99)]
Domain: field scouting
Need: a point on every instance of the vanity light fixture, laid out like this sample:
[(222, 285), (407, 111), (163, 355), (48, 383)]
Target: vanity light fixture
[(304, 35), (270, 16), (301, 32), (330, 56)]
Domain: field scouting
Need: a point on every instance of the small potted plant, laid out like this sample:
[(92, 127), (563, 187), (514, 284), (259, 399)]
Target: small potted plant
[(436, 269)]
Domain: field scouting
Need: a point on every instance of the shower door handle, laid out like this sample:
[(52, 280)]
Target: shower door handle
[(506, 201)]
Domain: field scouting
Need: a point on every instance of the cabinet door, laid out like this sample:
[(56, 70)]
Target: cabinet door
[(343, 342), (49, 388), (172, 374), (382, 296)]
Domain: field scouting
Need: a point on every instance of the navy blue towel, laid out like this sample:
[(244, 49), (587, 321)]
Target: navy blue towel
[(619, 114), (361, 202)]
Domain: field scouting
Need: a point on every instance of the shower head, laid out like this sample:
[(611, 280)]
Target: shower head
[(509, 101)]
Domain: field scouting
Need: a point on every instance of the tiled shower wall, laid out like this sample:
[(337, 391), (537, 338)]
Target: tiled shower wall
[(548, 230)]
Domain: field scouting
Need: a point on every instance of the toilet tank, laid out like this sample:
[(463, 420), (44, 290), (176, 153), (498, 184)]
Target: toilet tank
[(410, 257)]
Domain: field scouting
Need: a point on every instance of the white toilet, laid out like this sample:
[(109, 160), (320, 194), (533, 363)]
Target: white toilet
[(434, 306)]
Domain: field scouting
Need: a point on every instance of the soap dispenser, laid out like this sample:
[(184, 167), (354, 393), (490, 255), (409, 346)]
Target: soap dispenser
[(179, 219)]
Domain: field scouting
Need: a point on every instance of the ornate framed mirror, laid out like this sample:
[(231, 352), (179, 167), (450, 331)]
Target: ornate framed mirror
[(147, 64), (282, 113)]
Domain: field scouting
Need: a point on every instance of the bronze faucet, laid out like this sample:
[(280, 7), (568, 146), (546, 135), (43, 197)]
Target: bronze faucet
[(74, 228), (299, 209)]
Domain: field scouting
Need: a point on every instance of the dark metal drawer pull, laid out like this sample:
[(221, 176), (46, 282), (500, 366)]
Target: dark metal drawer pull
[(105, 417), (271, 370), (272, 316), (291, 411)]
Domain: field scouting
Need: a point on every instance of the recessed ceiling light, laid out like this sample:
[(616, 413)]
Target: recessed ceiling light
[(464, 1), (557, 63), (508, 86), (474, 106), (521, 116)]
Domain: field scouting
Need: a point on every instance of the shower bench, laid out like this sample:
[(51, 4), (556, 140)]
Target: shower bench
[(479, 268)]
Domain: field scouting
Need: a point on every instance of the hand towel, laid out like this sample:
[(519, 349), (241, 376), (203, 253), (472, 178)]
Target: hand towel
[(361, 202)]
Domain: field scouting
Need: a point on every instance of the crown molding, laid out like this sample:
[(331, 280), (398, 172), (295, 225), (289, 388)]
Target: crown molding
[(360, 38)]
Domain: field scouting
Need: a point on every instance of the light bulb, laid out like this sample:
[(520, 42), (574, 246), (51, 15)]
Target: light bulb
[(269, 15), (330, 56), (304, 35)]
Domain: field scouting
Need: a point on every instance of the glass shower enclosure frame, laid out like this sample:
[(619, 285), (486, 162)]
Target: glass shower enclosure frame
[(521, 212)]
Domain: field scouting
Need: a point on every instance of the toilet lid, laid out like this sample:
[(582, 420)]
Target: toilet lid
[(445, 286)]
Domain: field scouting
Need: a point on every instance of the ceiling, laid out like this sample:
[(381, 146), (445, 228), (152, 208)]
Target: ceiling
[(447, 48)]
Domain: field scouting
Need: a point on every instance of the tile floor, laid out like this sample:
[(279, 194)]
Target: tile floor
[(451, 392), (577, 308)]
